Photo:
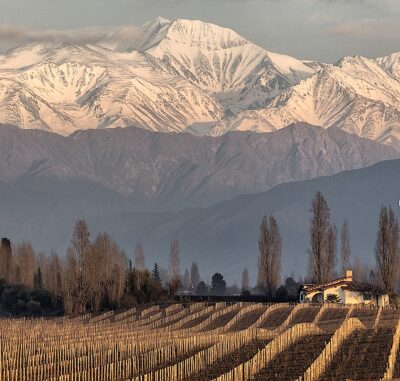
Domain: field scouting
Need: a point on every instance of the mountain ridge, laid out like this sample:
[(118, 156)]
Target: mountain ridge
[(172, 171), (190, 75), (222, 237), (161, 85), (355, 95)]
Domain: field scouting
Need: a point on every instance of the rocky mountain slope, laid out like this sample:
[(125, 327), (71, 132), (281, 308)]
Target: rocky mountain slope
[(390, 63), (171, 75), (191, 75), (159, 171), (222, 237), (63, 88), (239, 73), (356, 95)]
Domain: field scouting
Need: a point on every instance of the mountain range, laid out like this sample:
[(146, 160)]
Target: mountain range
[(185, 129), (188, 74), (170, 171), (171, 76), (356, 94), (153, 187), (224, 237)]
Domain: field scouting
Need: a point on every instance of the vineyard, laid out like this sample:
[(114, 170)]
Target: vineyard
[(204, 341)]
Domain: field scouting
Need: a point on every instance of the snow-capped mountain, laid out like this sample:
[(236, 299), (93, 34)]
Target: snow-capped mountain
[(163, 76), (136, 38), (190, 75), (391, 64), (218, 60), (63, 88), (356, 95)]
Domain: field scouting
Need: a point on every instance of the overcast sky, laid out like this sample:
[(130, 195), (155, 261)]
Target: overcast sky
[(315, 29)]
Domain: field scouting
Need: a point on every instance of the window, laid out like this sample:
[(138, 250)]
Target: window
[(367, 297)]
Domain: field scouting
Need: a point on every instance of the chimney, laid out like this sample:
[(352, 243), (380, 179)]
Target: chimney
[(349, 275)]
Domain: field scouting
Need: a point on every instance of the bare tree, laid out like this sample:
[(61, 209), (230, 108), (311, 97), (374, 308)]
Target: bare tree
[(186, 279), (245, 280), (24, 264), (118, 276), (270, 252), (345, 247), (174, 265), (53, 277), (139, 264), (320, 227), (5, 259), (69, 276), (263, 257), (113, 276), (77, 259), (394, 247), (90, 272), (96, 272), (361, 271), (387, 249), (276, 254), (195, 275), (358, 271), (330, 247), (80, 240), (164, 276)]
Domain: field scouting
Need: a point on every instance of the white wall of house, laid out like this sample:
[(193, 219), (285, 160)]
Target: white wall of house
[(338, 291), (321, 295), (383, 300), (345, 296), (353, 297)]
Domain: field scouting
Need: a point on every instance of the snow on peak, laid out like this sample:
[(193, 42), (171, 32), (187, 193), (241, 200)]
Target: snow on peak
[(136, 38), (159, 20), (62, 83), (289, 65), (355, 95), (135, 74), (356, 63), (196, 33), (169, 75), (391, 64), (218, 60)]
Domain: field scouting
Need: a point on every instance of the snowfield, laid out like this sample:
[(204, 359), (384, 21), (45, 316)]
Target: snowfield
[(179, 75)]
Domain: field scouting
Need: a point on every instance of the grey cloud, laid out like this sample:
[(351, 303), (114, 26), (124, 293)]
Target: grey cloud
[(383, 28), (22, 35), (361, 2)]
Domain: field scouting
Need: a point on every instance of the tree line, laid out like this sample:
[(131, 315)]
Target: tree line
[(96, 274), (323, 248)]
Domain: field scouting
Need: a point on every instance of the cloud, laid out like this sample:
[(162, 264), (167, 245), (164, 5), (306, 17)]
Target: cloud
[(360, 2), (320, 18), (22, 35), (377, 29)]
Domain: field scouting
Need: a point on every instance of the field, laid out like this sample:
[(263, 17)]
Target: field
[(199, 342)]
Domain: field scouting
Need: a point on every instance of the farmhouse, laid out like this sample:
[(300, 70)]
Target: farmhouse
[(346, 290)]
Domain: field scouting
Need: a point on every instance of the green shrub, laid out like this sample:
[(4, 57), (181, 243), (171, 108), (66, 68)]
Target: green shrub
[(11, 294), (34, 308), (42, 297), (19, 307), (332, 298)]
